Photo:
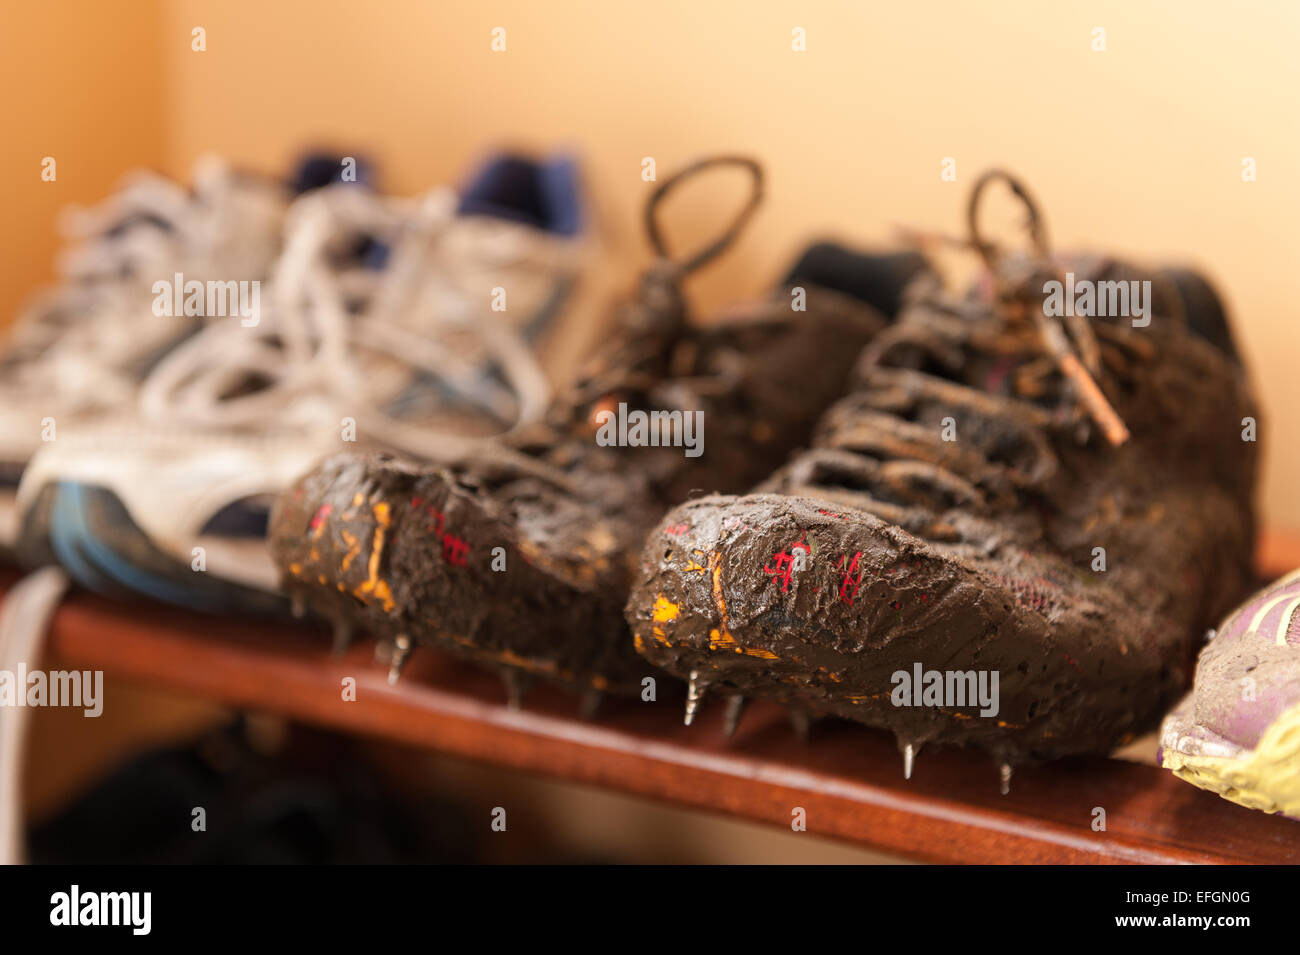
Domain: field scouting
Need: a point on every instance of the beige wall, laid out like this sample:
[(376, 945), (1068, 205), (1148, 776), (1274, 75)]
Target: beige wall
[(1137, 149), (80, 81)]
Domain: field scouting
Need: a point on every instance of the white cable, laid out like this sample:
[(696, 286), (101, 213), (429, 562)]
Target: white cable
[(25, 618)]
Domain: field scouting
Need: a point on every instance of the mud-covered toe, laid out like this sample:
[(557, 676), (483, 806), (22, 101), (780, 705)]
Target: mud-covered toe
[(1238, 732), (838, 612), (430, 555)]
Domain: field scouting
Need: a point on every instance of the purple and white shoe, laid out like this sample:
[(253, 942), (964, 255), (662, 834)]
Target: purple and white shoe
[(1238, 732)]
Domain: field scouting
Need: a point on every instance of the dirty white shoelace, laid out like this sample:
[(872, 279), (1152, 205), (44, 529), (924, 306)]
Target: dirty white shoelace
[(345, 341)]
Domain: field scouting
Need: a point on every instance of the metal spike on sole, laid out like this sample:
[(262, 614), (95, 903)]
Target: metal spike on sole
[(802, 723), (1004, 775), (735, 709), (589, 703), (397, 662), (909, 755), (694, 696), (342, 637), (514, 684)]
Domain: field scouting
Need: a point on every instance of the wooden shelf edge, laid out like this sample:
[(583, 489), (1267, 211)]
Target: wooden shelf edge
[(847, 779)]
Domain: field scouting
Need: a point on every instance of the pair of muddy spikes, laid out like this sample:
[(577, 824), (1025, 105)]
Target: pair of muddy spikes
[(971, 555)]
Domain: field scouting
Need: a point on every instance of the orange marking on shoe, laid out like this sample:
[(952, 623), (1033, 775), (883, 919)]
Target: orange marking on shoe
[(721, 637), (723, 640), (719, 600), (525, 663), (354, 548), (374, 586), (664, 610)]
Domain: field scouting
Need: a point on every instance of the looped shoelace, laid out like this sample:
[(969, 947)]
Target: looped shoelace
[(648, 348), (1072, 343)]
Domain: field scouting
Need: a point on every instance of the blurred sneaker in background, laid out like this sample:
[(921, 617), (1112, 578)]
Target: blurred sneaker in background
[(396, 323), (84, 346)]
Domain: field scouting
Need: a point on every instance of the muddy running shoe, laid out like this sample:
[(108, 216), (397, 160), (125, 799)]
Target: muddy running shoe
[(1012, 535), (1238, 732), (520, 556)]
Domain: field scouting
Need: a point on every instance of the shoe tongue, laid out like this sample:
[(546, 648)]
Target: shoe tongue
[(543, 194), (878, 280), (317, 170), (1206, 315)]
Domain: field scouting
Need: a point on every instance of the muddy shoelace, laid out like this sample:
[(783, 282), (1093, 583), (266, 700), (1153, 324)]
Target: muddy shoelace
[(1010, 373), (644, 352)]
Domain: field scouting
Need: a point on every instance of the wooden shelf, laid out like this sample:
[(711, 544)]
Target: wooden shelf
[(847, 778)]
